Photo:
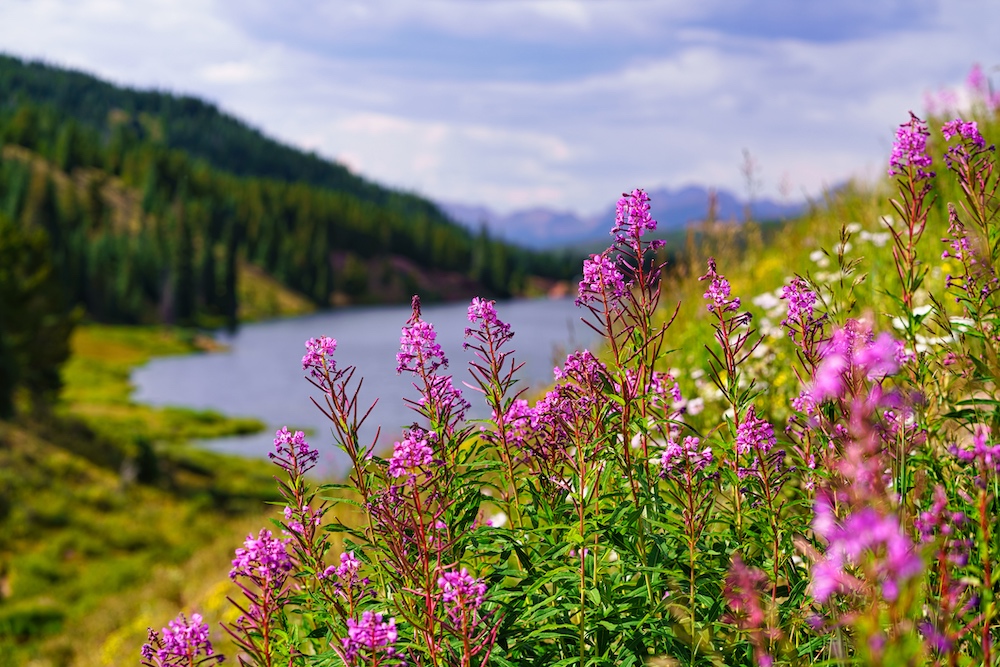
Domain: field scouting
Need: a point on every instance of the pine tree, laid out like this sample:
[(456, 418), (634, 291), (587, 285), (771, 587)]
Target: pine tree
[(35, 323)]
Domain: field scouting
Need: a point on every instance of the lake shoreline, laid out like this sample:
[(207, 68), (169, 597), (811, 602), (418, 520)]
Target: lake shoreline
[(259, 372)]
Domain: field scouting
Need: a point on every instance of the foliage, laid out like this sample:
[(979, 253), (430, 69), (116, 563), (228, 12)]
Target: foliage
[(35, 323), (154, 202), (619, 519), (100, 499)]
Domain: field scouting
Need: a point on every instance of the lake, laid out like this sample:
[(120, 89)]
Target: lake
[(260, 373)]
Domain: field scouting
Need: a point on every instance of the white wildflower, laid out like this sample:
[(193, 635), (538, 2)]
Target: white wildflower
[(766, 301)]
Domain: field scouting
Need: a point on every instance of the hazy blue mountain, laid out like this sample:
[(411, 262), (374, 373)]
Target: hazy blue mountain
[(672, 209)]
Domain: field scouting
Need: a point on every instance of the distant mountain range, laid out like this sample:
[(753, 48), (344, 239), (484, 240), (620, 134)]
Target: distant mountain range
[(544, 228)]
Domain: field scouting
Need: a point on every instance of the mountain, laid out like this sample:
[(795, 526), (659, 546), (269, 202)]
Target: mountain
[(673, 209), (157, 207)]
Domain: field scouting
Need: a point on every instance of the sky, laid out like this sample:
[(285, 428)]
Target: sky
[(560, 104)]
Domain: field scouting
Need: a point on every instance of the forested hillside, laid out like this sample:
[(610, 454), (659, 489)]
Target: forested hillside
[(152, 202)]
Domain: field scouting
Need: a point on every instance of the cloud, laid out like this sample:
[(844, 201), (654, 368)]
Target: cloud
[(558, 102)]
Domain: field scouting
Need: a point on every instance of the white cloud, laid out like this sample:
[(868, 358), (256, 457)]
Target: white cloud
[(561, 103)]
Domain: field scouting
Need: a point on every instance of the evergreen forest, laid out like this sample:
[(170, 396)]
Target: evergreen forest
[(138, 207), (151, 202)]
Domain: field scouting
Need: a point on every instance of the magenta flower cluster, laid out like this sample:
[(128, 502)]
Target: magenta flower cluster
[(411, 453), (518, 421), (419, 350), (183, 638), (866, 538), (754, 434), (291, 451), (318, 359), (370, 640), (854, 353), (601, 278), (462, 595), (801, 301), (347, 571), (986, 455), (967, 130), (582, 367), (263, 557), (939, 522), (484, 312), (449, 400), (980, 85), (743, 592), (718, 291), (294, 518), (688, 455), (632, 217), (909, 150), (183, 643)]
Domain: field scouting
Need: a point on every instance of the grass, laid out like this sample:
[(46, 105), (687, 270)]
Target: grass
[(98, 389), (262, 297), (103, 504)]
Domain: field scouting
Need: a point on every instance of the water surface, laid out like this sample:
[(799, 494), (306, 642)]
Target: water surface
[(260, 374)]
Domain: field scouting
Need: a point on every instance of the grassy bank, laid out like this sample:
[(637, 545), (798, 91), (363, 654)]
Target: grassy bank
[(98, 389), (107, 514)]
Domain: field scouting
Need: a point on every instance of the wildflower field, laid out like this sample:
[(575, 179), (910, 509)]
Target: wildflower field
[(784, 453)]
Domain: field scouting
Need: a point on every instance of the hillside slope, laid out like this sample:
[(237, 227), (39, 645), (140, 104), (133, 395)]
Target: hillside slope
[(172, 196)]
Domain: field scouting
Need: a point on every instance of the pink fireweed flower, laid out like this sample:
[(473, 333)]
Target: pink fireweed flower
[(976, 80), (754, 434), (318, 359), (828, 380), (743, 591), (967, 130), (866, 537), (294, 525), (484, 313), (370, 640), (718, 291), (551, 424), (481, 310), (979, 84), (676, 457), (517, 421), (489, 336), (181, 638), (958, 240), (632, 217), (292, 453), (971, 143), (184, 643), (601, 279), (296, 517), (414, 451), (853, 353), (801, 301), (446, 397), (909, 150), (583, 368), (938, 522), (988, 456), (462, 595), (264, 557), (347, 571), (419, 349)]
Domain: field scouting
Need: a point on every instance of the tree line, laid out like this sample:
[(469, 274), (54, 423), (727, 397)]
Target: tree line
[(140, 207)]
